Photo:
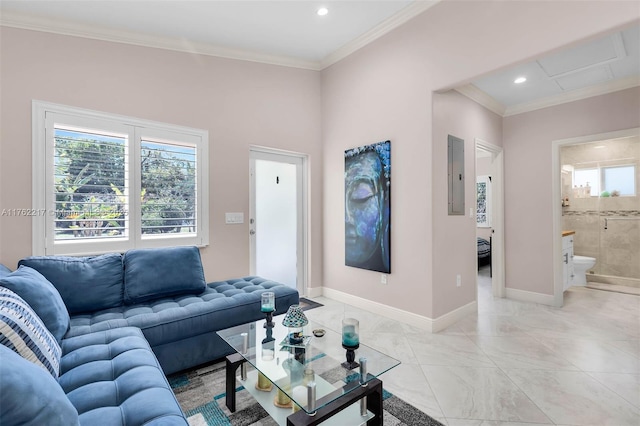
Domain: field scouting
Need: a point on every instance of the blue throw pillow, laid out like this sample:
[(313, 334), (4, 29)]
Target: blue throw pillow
[(86, 284), (155, 273), (24, 333), (42, 296), (30, 395), (4, 271)]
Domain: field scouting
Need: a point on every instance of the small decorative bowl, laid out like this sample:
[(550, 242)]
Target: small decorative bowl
[(318, 332)]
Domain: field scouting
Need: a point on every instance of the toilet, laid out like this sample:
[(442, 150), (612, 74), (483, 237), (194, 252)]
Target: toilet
[(581, 264)]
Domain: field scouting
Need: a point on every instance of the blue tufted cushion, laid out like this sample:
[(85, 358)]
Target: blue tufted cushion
[(42, 296), (113, 378), (86, 284), (162, 272), (4, 271), (29, 395), (23, 332), (181, 329)]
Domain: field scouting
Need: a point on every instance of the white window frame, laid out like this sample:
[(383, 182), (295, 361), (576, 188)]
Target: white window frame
[(43, 197)]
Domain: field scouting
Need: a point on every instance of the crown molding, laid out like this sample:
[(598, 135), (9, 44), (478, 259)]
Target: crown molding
[(475, 94), (575, 95), (75, 29), (404, 15), (59, 26)]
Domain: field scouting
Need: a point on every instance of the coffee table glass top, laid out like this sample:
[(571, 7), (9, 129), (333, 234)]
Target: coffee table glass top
[(317, 359)]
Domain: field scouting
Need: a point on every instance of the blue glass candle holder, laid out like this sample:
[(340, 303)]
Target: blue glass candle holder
[(268, 306), (350, 341)]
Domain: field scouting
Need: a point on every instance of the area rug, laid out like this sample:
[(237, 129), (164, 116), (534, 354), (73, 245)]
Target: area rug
[(201, 394), (307, 304)]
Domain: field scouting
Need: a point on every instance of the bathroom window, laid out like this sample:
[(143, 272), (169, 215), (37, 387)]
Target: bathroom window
[(621, 179), (611, 179)]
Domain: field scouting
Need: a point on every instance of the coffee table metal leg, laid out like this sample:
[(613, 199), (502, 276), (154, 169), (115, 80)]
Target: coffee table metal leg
[(233, 361), (374, 403), (372, 392)]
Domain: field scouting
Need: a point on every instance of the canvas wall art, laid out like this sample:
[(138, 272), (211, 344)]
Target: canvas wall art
[(483, 205), (367, 209)]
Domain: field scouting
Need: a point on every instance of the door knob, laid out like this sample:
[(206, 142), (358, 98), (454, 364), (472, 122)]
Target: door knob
[(252, 232)]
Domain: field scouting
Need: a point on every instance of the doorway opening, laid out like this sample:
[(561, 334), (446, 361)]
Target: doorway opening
[(278, 217), (615, 227), (490, 219)]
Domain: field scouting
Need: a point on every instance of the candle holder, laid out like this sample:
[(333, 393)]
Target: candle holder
[(268, 306), (281, 400), (263, 384), (295, 320), (350, 341), (268, 347), (268, 354)]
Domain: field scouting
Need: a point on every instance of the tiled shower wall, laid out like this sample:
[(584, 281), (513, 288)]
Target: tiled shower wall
[(606, 228)]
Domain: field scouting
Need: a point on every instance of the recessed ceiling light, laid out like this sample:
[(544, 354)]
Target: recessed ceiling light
[(520, 80), (322, 11)]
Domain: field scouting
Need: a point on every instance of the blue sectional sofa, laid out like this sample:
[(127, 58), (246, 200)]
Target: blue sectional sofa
[(102, 332)]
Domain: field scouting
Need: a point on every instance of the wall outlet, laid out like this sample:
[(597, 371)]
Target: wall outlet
[(458, 280), (383, 278)]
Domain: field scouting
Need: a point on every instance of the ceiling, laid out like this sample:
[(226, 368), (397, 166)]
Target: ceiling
[(288, 32), (595, 67), (291, 33)]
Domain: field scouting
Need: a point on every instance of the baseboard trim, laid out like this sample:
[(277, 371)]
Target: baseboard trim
[(454, 316), (314, 292), (529, 296), (419, 321)]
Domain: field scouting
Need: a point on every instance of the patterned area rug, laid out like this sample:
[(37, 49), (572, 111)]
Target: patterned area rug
[(201, 394), (307, 304)]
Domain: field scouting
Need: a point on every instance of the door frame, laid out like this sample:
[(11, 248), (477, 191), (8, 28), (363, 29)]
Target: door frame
[(302, 184), (556, 200), (497, 215)]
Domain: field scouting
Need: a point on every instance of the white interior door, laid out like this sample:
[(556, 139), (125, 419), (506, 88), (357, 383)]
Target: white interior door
[(277, 218)]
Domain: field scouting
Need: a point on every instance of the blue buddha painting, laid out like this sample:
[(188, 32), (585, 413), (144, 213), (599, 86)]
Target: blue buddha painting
[(367, 207)]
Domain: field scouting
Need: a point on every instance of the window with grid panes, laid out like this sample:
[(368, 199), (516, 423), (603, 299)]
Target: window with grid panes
[(111, 183)]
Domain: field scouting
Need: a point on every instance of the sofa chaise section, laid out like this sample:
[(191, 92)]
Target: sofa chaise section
[(113, 378)]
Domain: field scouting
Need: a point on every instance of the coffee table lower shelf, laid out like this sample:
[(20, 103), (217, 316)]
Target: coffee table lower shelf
[(348, 416)]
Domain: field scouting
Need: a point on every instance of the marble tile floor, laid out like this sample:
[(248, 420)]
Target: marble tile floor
[(614, 287), (515, 363)]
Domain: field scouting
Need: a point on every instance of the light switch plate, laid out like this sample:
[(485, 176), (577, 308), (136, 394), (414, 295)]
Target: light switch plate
[(234, 218)]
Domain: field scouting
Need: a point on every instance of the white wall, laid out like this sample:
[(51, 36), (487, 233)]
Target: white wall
[(240, 103), (455, 236), (384, 91), (527, 152)]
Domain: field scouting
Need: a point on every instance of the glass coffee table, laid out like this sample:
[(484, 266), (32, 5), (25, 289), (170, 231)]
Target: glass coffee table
[(305, 384)]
